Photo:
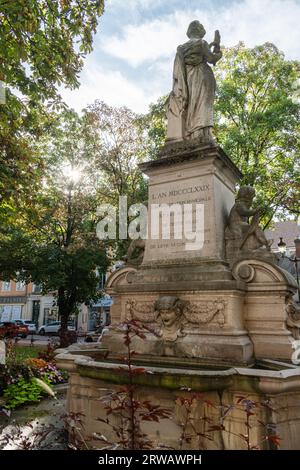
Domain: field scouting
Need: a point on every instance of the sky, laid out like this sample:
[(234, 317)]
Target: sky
[(136, 41)]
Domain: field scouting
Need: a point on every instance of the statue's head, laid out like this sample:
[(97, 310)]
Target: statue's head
[(196, 30), (169, 309), (246, 193)]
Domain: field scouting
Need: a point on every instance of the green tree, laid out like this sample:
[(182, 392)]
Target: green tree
[(258, 123), (52, 241), (154, 126), (42, 46), (117, 142)]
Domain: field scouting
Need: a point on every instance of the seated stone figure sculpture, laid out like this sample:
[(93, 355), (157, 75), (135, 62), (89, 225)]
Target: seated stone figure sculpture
[(240, 235), (135, 252)]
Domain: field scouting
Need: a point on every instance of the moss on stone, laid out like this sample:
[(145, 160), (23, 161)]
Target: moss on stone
[(162, 380)]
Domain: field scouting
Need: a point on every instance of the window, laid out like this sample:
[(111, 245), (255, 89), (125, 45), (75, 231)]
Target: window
[(36, 289), (6, 286), (20, 286)]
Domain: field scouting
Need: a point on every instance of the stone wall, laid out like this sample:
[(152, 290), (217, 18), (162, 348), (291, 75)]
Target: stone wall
[(91, 380)]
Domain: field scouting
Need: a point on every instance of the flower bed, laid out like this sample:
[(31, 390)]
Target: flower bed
[(28, 375)]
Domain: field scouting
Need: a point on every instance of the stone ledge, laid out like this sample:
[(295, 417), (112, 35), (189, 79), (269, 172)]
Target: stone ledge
[(189, 150), (185, 287), (246, 379)]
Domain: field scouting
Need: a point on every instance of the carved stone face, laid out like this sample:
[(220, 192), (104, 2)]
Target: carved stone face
[(169, 311), (169, 317)]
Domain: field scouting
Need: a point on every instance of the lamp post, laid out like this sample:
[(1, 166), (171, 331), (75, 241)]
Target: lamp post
[(282, 247), (296, 259)]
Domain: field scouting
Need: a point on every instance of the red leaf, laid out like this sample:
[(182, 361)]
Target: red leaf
[(274, 439)]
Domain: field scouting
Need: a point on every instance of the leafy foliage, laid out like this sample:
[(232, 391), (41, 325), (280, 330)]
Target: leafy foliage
[(52, 240), (43, 43), (118, 148), (42, 46), (124, 411), (22, 392), (258, 122), (200, 419), (154, 125)]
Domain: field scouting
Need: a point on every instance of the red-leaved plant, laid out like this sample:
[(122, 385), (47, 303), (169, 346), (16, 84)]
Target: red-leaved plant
[(124, 411), (191, 422)]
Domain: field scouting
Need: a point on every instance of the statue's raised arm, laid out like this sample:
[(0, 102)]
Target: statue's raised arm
[(190, 105)]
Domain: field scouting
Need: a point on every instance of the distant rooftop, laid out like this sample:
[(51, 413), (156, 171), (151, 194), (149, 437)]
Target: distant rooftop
[(288, 230)]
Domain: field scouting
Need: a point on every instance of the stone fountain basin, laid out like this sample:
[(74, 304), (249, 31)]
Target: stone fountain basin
[(266, 376), (92, 374)]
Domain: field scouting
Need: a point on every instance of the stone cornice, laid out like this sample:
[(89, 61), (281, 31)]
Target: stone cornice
[(180, 152)]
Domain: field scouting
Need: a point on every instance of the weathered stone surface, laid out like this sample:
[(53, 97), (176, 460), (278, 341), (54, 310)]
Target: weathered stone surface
[(190, 104), (269, 289), (89, 380), (244, 239), (209, 311), (203, 176)]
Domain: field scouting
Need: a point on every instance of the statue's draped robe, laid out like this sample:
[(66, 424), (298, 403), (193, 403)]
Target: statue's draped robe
[(190, 106)]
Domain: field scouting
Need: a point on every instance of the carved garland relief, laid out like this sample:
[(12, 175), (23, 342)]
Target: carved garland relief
[(175, 317)]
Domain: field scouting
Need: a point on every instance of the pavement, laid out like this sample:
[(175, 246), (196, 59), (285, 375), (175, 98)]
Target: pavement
[(40, 426), (38, 340)]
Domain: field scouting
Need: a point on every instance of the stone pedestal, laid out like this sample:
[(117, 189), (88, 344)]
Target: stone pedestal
[(196, 175), (229, 314), (212, 320), (266, 313)]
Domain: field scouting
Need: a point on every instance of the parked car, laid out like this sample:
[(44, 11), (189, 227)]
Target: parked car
[(29, 323), (11, 330), (53, 328)]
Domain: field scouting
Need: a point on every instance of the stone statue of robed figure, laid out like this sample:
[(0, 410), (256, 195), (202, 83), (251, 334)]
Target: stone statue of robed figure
[(190, 104)]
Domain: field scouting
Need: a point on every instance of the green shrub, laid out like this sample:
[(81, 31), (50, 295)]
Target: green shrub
[(22, 392)]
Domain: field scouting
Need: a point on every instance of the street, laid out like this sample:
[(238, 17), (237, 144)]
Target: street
[(38, 340)]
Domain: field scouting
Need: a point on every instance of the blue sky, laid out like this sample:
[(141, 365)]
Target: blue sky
[(136, 41)]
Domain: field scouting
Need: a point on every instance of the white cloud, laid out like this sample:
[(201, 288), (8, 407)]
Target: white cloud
[(150, 47), (252, 21), (143, 4), (149, 41), (112, 87)]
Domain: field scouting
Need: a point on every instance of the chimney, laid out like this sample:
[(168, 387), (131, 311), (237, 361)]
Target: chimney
[(297, 246)]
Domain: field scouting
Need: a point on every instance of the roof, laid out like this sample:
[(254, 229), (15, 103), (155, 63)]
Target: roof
[(288, 230)]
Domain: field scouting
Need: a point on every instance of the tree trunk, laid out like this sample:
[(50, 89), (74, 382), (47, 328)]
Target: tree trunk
[(63, 316)]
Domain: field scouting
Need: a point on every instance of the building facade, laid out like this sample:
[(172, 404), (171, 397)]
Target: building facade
[(20, 301)]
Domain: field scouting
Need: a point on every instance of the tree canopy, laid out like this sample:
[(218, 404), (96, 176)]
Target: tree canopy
[(43, 43), (119, 146), (258, 123), (42, 46), (50, 238)]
